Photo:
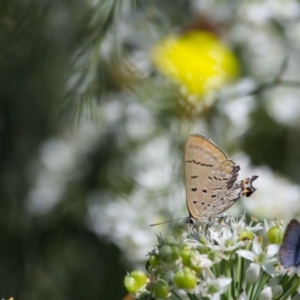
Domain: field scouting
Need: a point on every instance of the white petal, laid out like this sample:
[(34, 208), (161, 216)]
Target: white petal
[(215, 297), (246, 254), (266, 225), (271, 250), (257, 249), (224, 281), (269, 269)]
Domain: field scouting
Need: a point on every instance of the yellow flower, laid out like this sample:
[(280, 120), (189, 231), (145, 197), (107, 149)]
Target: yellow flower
[(197, 60)]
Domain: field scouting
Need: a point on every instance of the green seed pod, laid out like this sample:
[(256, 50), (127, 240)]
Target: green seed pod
[(153, 261), (275, 235), (130, 284), (185, 279), (140, 277), (185, 254), (168, 254), (246, 235), (160, 289)]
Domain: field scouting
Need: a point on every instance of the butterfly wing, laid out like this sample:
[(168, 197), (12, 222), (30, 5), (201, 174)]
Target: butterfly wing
[(210, 179), (220, 183), (202, 161), (289, 253)]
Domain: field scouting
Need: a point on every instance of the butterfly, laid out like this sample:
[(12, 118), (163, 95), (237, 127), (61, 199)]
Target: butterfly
[(289, 253), (210, 180)]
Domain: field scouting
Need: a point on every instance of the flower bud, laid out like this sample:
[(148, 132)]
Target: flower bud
[(252, 273), (266, 294), (277, 291)]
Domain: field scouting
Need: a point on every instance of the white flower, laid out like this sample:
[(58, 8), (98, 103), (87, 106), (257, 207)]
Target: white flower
[(213, 288), (240, 225), (264, 258), (226, 239), (201, 261)]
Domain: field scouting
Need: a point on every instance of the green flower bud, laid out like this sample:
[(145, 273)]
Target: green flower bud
[(130, 284), (134, 281), (252, 273), (160, 289), (194, 262), (185, 256), (140, 277), (275, 235), (168, 254), (246, 235), (185, 279), (153, 261)]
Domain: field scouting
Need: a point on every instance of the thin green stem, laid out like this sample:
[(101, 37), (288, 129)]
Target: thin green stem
[(240, 276), (228, 273), (176, 295), (252, 289), (247, 289), (233, 285), (288, 281), (216, 270), (192, 296), (284, 279), (263, 280), (291, 290)]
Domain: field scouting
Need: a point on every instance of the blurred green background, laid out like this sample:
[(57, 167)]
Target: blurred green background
[(92, 135)]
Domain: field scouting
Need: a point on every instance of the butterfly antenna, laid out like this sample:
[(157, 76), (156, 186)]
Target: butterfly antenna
[(167, 222)]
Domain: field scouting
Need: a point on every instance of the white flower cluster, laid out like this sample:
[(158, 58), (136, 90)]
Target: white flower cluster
[(229, 260)]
